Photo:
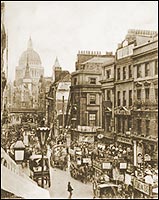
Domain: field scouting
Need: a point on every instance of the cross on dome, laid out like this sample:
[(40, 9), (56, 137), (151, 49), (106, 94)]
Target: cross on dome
[(30, 44)]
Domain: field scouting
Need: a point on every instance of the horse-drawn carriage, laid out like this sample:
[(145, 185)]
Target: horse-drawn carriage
[(59, 157)]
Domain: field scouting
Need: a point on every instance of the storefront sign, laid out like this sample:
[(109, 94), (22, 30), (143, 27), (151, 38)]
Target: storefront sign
[(142, 187), (123, 165), (124, 140), (87, 160), (106, 166)]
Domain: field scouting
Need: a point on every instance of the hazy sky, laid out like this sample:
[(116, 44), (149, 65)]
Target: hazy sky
[(61, 28)]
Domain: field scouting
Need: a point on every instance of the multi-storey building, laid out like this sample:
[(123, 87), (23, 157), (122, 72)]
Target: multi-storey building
[(54, 96), (85, 95), (145, 112), (124, 83), (107, 87), (62, 95)]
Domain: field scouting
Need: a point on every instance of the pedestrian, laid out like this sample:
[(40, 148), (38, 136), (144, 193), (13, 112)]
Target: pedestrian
[(70, 189)]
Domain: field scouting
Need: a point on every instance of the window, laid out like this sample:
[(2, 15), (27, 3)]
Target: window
[(147, 69), (129, 123), (156, 94), (156, 67), (130, 97), (75, 81), (118, 98), (108, 95), (123, 125), (139, 126), (138, 94), (118, 74), (92, 80), (138, 71), (124, 98), (119, 125), (108, 73), (92, 99), (124, 73), (108, 123), (92, 119), (130, 71), (147, 127), (147, 93)]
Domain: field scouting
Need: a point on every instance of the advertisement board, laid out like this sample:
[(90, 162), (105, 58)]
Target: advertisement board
[(123, 165), (87, 160), (106, 165)]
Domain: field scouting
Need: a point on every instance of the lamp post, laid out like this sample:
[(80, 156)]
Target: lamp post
[(42, 134), (19, 149)]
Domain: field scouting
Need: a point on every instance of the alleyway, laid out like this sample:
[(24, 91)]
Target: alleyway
[(58, 189)]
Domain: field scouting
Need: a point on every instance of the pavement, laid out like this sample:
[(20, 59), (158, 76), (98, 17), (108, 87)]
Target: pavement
[(59, 181)]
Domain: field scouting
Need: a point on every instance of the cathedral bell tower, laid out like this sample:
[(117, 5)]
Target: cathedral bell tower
[(57, 70)]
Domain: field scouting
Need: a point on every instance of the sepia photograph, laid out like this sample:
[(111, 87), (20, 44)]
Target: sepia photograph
[(79, 99)]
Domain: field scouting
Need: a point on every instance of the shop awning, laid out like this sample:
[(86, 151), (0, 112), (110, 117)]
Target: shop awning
[(20, 186)]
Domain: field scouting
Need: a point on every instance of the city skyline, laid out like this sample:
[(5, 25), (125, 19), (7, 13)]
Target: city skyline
[(84, 26)]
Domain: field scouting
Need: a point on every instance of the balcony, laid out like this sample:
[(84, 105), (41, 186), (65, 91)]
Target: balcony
[(147, 104)]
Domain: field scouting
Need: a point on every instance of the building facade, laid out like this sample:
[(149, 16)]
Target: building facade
[(145, 112), (86, 96), (107, 87)]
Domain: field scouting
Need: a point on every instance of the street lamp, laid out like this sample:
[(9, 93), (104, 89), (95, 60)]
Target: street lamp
[(19, 149), (42, 134)]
